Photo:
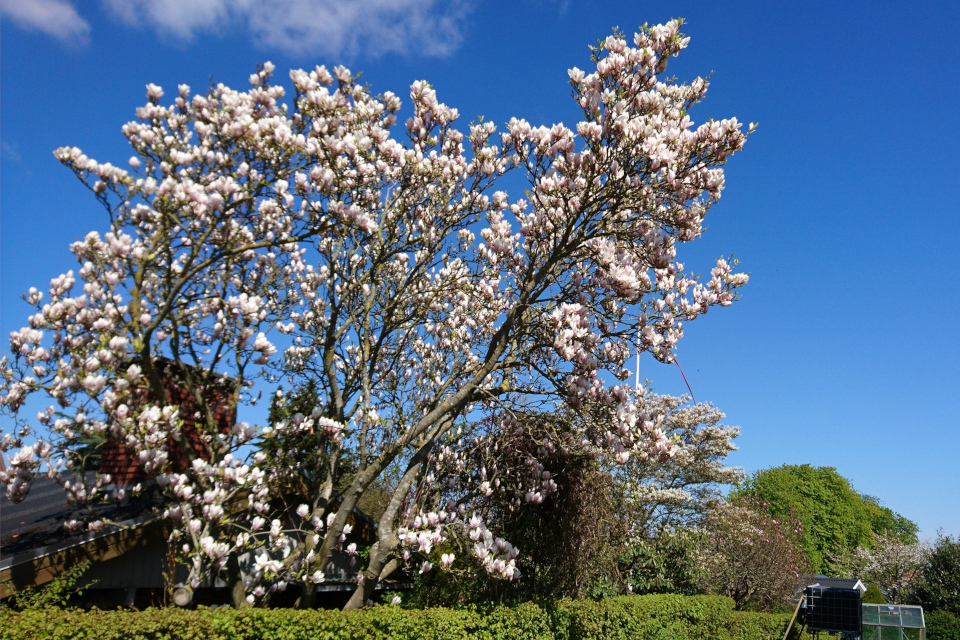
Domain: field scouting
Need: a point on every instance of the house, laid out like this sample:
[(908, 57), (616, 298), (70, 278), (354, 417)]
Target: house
[(124, 465), (130, 565), (35, 547)]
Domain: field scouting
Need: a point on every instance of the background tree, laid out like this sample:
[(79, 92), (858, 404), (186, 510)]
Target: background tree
[(889, 563), (669, 562), (937, 585), (310, 455), (605, 528), (886, 523), (942, 625), (836, 519), (676, 493), (569, 542), (751, 556)]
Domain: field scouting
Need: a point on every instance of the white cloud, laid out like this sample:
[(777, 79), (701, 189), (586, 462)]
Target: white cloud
[(56, 18), (365, 28), (179, 18)]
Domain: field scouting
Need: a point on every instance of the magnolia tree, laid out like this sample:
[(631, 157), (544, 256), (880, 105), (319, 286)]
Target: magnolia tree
[(752, 557), (243, 219), (185, 285)]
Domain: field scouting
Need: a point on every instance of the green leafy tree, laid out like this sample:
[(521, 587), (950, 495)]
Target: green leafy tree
[(887, 523), (666, 563), (942, 625), (836, 519), (937, 588)]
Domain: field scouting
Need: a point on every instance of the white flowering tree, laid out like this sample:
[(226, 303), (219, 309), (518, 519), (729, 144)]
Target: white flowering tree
[(892, 563), (679, 491), (315, 220), (181, 289)]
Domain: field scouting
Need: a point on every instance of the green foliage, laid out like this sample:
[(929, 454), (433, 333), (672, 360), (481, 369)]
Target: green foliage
[(873, 595), (942, 625), (652, 616), (887, 523), (938, 585), (56, 593), (87, 453), (665, 564), (835, 518), (620, 618)]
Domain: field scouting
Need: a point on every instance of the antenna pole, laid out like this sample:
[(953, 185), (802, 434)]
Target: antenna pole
[(638, 366)]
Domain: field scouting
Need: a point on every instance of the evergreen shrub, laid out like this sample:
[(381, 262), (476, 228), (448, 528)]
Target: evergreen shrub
[(942, 625), (625, 617), (873, 595)]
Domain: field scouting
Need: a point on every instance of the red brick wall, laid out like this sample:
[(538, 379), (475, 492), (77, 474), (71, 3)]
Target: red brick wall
[(123, 463)]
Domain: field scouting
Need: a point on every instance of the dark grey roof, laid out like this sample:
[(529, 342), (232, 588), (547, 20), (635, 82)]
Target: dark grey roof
[(38, 520), (834, 583)]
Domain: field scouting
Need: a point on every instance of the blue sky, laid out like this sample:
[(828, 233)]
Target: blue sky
[(844, 349)]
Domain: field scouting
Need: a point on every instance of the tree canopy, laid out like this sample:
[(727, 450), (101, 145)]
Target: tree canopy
[(836, 519), (937, 587)]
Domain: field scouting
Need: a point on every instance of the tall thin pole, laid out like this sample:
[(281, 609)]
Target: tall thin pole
[(638, 366)]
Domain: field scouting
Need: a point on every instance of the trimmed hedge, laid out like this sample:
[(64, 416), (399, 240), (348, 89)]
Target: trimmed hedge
[(651, 617)]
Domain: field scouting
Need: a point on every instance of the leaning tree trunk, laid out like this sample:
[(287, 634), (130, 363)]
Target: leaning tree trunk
[(381, 565), (382, 560)]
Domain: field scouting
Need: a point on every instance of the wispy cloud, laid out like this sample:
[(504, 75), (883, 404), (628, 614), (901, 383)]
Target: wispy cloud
[(56, 18), (356, 28), (9, 151)]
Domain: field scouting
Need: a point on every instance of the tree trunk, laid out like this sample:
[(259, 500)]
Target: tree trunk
[(308, 596), (378, 569), (382, 562), (183, 596), (238, 595)]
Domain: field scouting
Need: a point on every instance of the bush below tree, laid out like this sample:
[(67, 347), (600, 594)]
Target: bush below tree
[(621, 618)]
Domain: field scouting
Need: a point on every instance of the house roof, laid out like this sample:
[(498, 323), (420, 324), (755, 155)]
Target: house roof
[(35, 546), (835, 583), (37, 522)]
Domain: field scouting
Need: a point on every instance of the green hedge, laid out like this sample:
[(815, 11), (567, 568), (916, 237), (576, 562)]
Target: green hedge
[(635, 617), (942, 625)]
